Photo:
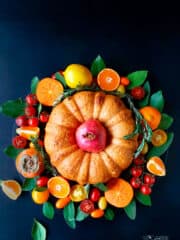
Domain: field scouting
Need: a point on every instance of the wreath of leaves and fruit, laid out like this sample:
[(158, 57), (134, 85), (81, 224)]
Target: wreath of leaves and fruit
[(77, 202)]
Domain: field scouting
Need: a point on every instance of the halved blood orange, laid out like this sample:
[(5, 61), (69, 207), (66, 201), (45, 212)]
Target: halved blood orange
[(48, 90), (58, 187), (108, 79)]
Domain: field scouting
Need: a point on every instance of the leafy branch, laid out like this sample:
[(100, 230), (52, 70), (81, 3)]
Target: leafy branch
[(141, 127), (48, 166)]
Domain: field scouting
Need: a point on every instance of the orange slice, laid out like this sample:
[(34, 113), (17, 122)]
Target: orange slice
[(151, 115), (58, 187), (48, 90), (119, 193), (159, 137), (28, 132), (156, 166), (11, 188), (108, 79)]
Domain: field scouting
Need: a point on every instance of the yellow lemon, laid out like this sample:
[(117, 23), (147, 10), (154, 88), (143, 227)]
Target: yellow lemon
[(77, 75)]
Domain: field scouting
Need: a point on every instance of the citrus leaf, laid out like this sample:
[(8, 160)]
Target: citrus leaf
[(61, 79), (13, 108), (48, 210), (29, 184), (87, 188), (39, 108), (80, 216), (69, 215), (34, 83), (137, 78), (157, 100), (143, 199), (158, 151), (101, 186), (38, 231), (145, 100), (130, 210), (12, 152), (109, 214), (166, 121), (97, 65)]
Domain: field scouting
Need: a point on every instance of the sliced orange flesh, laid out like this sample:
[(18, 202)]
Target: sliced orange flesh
[(108, 79), (48, 90), (156, 166), (119, 193), (151, 115), (58, 187), (11, 188)]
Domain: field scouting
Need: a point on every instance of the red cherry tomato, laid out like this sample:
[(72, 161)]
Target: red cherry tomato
[(44, 117), (21, 121), (19, 142), (95, 194), (135, 182), (136, 171), (31, 99), (139, 160), (87, 206), (145, 189), (138, 93), (33, 122), (42, 181), (149, 179), (30, 111)]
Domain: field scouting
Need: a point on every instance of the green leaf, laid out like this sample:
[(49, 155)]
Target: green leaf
[(29, 184), (157, 100), (143, 199), (130, 210), (80, 216), (145, 100), (109, 214), (87, 188), (69, 215), (101, 186), (38, 231), (97, 65), (48, 210), (166, 121), (12, 152), (158, 151), (34, 83), (39, 108), (61, 79), (137, 78), (13, 108)]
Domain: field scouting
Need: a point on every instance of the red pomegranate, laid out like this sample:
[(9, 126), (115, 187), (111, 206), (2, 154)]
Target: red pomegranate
[(91, 136)]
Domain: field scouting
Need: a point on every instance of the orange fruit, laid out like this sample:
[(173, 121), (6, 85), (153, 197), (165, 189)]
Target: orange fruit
[(119, 193), (40, 197), (58, 187), (28, 132), (48, 90), (97, 213), (156, 166), (11, 188), (151, 115), (108, 79), (62, 202), (125, 81), (159, 137)]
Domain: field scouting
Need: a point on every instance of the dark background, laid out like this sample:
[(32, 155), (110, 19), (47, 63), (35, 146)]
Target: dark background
[(40, 37)]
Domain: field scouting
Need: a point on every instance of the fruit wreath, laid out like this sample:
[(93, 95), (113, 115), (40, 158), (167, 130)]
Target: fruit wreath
[(88, 142)]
